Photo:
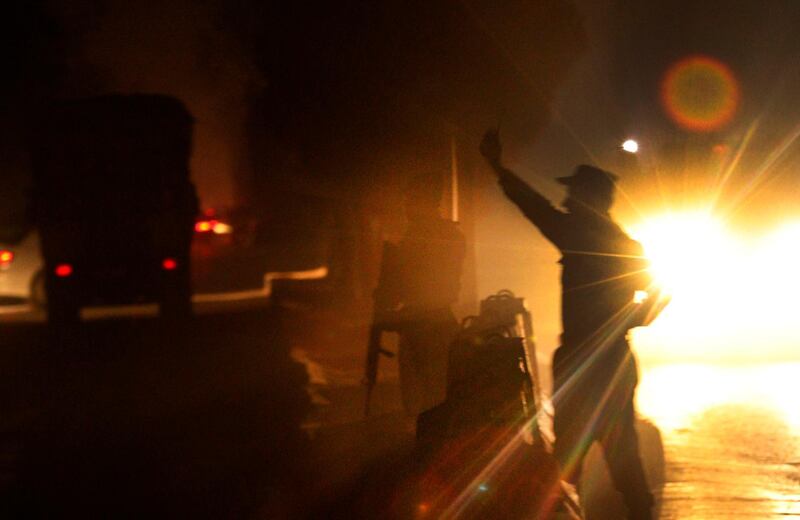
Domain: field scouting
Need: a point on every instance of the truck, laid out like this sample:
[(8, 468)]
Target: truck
[(114, 204)]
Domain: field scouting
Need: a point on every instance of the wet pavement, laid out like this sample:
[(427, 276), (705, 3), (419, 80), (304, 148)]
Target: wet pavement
[(731, 437), (717, 442)]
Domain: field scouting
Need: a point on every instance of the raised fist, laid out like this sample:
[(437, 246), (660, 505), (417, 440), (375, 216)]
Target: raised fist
[(491, 148)]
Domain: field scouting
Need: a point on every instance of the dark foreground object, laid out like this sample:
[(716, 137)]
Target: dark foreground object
[(113, 203), (490, 474), (147, 418), (479, 454)]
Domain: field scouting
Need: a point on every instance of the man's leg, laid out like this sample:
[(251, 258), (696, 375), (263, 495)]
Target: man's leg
[(571, 445), (571, 418), (621, 449)]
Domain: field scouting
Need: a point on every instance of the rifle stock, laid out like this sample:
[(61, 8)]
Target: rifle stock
[(384, 299)]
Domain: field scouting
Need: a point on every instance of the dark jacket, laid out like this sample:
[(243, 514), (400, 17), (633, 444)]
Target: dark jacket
[(602, 268)]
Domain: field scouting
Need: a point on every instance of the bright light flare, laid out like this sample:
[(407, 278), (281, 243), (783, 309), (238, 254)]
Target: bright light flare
[(630, 146), (731, 299), (695, 260), (640, 297), (702, 386), (690, 253), (6, 257), (777, 282)]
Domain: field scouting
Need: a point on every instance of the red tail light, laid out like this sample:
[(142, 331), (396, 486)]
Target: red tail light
[(212, 226), (204, 226), (63, 270), (169, 264), (6, 257)]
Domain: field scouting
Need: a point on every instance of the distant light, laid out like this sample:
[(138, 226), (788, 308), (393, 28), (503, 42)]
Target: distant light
[(213, 225), (220, 228), (63, 270), (630, 146), (423, 508), (204, 226), (6, 257), (483, 488), (169, 264), (640, 297)]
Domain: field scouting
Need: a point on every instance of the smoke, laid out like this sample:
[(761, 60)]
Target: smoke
[(179, 48)]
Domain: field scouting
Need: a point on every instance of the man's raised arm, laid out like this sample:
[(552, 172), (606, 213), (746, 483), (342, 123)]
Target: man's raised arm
[(533, 205)]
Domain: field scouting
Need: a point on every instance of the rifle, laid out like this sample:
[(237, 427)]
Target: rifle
[(384, 298)]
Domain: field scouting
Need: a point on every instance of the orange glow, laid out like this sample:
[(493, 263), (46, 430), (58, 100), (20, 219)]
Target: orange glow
[(703, 386), (6, 257), (732, 299), (213, 225), (204, 226), (169, 264), (220, 228), (700, 93), (63, 270), (687, 251)]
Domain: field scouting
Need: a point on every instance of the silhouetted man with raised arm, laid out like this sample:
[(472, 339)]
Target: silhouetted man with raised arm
[(594, 372)]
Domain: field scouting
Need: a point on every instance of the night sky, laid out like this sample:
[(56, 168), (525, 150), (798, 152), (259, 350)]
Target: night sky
[(331, 80), (329, 85)]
